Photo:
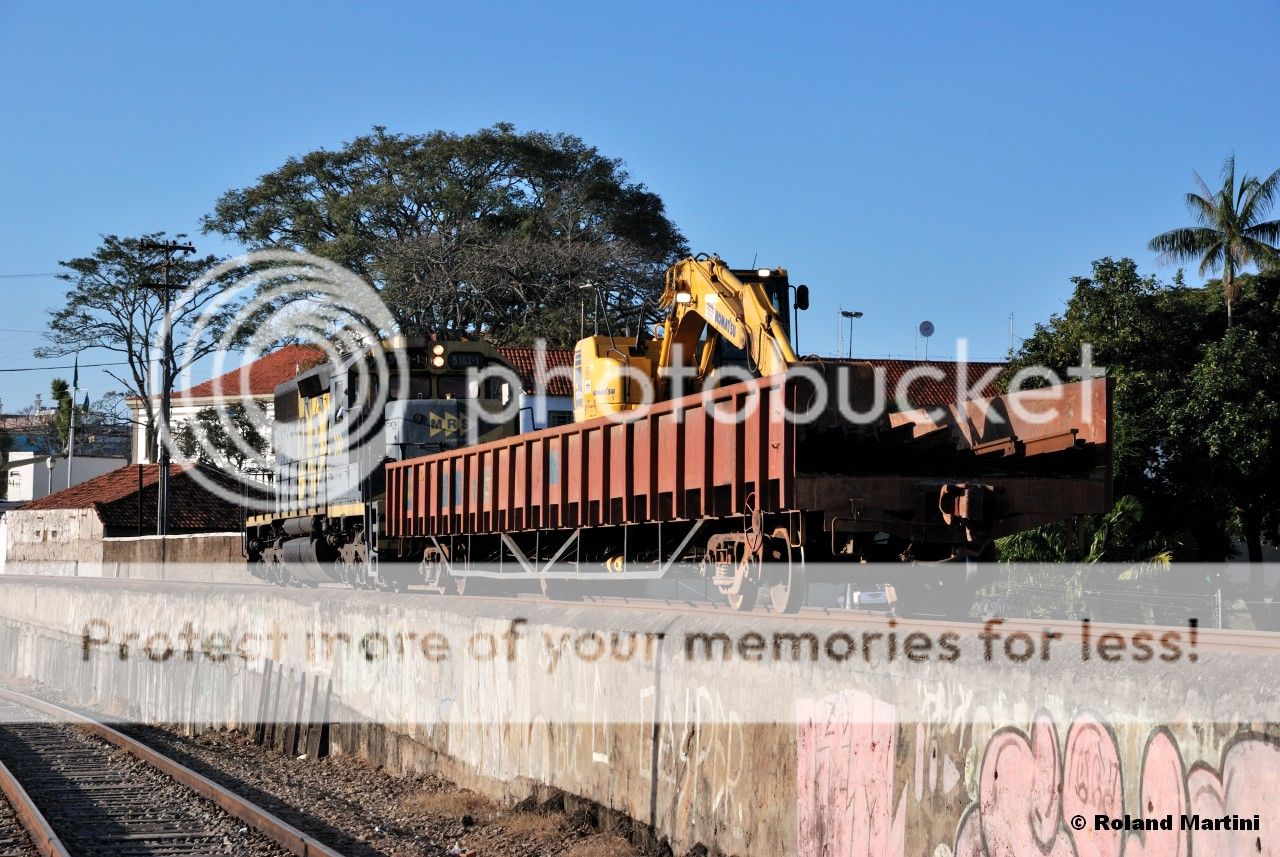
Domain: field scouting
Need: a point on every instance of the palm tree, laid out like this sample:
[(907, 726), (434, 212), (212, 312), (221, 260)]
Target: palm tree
[(1231, 232)]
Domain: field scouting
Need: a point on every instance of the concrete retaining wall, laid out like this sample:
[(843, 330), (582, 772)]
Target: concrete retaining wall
[(755, 748), (199, 557), (70, 543)]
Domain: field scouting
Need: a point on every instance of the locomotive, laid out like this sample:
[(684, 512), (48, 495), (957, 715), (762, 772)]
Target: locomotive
[(336, 427)]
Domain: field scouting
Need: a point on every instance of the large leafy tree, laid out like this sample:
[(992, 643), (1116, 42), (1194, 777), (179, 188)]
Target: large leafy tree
[(1196, 418), (1224, 427), (109, 307), (1148, 336), (1230, 231), (492, 234)]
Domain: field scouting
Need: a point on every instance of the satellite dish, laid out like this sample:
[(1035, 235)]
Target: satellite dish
[(926, 329)]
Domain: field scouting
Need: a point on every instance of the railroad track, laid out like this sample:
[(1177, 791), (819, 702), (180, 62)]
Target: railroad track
[(79, 787), (14, 839)]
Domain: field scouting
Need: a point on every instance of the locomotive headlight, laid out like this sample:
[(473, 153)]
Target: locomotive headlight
[(439, 349), (437, 361)]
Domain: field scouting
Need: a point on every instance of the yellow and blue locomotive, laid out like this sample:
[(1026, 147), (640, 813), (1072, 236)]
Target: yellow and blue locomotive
[(336, 426)]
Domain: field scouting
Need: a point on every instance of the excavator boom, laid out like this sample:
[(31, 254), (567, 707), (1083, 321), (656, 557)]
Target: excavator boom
[(706, 303), (704, 293)]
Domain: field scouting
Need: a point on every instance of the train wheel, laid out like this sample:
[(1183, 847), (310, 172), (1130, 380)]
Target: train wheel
[(744, 600), (744, 588), (734, 568), (785, 579)]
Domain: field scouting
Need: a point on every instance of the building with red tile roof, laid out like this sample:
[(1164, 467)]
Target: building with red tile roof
[(258, 379), (554, 375), (930, 383), (124, 500), (105, 527)]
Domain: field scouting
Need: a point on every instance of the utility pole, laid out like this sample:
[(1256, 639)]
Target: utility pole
[(168, 248)]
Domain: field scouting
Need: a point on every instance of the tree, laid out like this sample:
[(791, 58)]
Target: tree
[(60, 391), (1148, 336), (488, 234), (109, 308), (1196, 417), (205, 439), (1231, 232), (1224, 426)]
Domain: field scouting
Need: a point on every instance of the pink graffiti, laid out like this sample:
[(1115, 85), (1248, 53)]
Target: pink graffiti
[(844, 778), (1027, 799)]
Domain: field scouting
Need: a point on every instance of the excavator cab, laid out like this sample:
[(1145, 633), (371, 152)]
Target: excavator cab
[(613, 374)]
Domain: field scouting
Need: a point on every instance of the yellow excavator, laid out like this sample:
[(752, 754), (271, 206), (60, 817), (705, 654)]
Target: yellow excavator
[(714, 314)]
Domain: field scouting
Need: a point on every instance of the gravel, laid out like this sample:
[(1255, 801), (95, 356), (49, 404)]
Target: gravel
[(13, 839), (93, 793), (363, 811)]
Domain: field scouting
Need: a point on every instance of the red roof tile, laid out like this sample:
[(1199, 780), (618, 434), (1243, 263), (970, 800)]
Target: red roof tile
[(263, 375), (925, 390), (521, 358), (114, 496)]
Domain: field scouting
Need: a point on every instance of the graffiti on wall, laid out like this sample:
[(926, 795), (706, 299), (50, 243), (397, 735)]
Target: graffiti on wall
[(1030, 791), (844, 777), (1029, 799)]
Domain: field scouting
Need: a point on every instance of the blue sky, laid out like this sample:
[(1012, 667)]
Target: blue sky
[(950, 161)]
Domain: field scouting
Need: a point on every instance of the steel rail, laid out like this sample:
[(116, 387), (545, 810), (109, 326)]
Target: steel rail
[(282, 833), (42, 837)]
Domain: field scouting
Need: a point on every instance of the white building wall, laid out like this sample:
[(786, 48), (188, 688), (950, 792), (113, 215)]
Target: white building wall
[(30, 479), (185, 410)]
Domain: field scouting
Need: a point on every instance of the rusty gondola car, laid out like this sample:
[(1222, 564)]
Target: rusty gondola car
[(763, 504)]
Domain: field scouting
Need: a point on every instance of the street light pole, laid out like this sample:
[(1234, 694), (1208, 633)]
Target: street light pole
[(588, 286), (851, 315), (168, 248)]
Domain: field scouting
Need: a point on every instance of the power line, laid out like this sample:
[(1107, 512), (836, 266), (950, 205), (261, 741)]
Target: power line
[(30, 276), (85, 366)]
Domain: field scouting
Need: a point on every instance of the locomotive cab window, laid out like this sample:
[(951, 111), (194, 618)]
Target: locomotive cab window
[(455, 387), (419, 387)]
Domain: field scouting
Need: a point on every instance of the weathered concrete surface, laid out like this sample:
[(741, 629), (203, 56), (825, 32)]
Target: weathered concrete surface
[(60, 541), (70, 543), (742, 752), (197, 557)]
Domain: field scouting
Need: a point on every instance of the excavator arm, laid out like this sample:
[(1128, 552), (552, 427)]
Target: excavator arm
[(704, 295), (705, 302)]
